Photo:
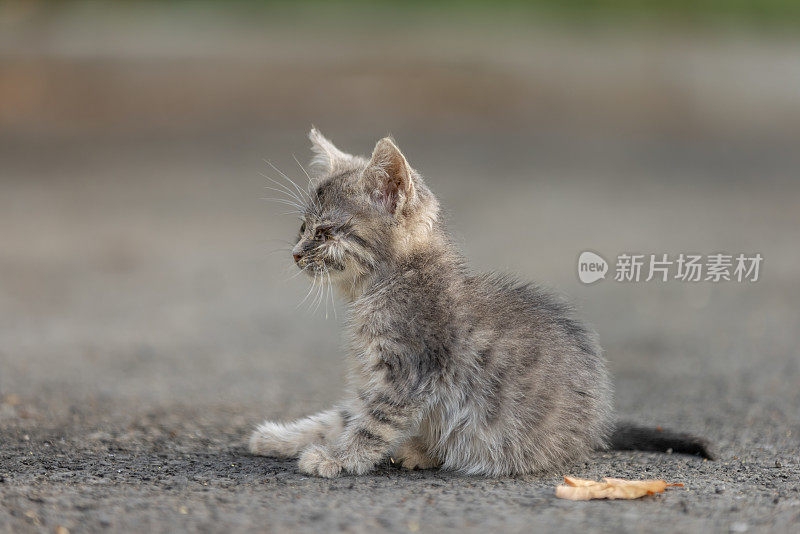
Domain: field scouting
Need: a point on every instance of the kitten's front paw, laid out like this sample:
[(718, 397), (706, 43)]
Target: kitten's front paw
[(318, 460)]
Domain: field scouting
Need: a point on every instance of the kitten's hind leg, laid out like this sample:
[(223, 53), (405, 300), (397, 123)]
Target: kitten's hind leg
[(413, 455), (288, 439)]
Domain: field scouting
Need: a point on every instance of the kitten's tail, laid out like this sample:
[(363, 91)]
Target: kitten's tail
[(630, 437)]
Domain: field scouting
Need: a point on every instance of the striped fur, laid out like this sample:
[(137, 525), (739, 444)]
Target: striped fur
[(476, 373)]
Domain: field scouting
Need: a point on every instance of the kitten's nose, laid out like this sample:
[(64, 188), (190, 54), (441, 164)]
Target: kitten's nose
[(296, 257)]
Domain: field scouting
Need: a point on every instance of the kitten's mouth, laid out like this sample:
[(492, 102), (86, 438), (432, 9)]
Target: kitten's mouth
[(313, 266), (305, 262)]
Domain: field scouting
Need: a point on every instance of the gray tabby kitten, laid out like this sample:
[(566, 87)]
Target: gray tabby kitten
[(475, 373)]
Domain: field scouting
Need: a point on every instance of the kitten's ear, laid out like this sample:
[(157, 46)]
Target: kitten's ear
[(389, 174), (327, 158)]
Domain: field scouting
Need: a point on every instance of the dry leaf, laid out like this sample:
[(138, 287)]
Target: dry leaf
[(579, 489)]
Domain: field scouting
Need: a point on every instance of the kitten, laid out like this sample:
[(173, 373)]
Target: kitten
[(475, 373)]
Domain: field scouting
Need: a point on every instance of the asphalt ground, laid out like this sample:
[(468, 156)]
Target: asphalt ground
[(149, 318)]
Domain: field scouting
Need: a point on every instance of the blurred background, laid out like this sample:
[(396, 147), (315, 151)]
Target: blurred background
[(143, 290)]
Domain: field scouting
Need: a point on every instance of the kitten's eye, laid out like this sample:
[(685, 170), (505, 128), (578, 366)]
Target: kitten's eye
[(303, 228)]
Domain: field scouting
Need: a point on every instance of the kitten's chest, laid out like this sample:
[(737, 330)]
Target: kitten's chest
[(384, 350), (379, 326), (369, 345)]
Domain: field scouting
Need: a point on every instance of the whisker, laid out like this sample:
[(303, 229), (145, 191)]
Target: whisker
[(327, 290), (297, 187), (290, 271), (331, 292), (308, 184), (282, 201), (289, 201), (295, 275), (291, 197), (302, 168), (284, 189), (274, 181), (314, 298), (288, 193), (313, 283), (320, 293)]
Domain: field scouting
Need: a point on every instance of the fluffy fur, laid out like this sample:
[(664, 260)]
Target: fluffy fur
[(475, 373)]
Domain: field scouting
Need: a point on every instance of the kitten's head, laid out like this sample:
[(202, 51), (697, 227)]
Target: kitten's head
[(362, 213)]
